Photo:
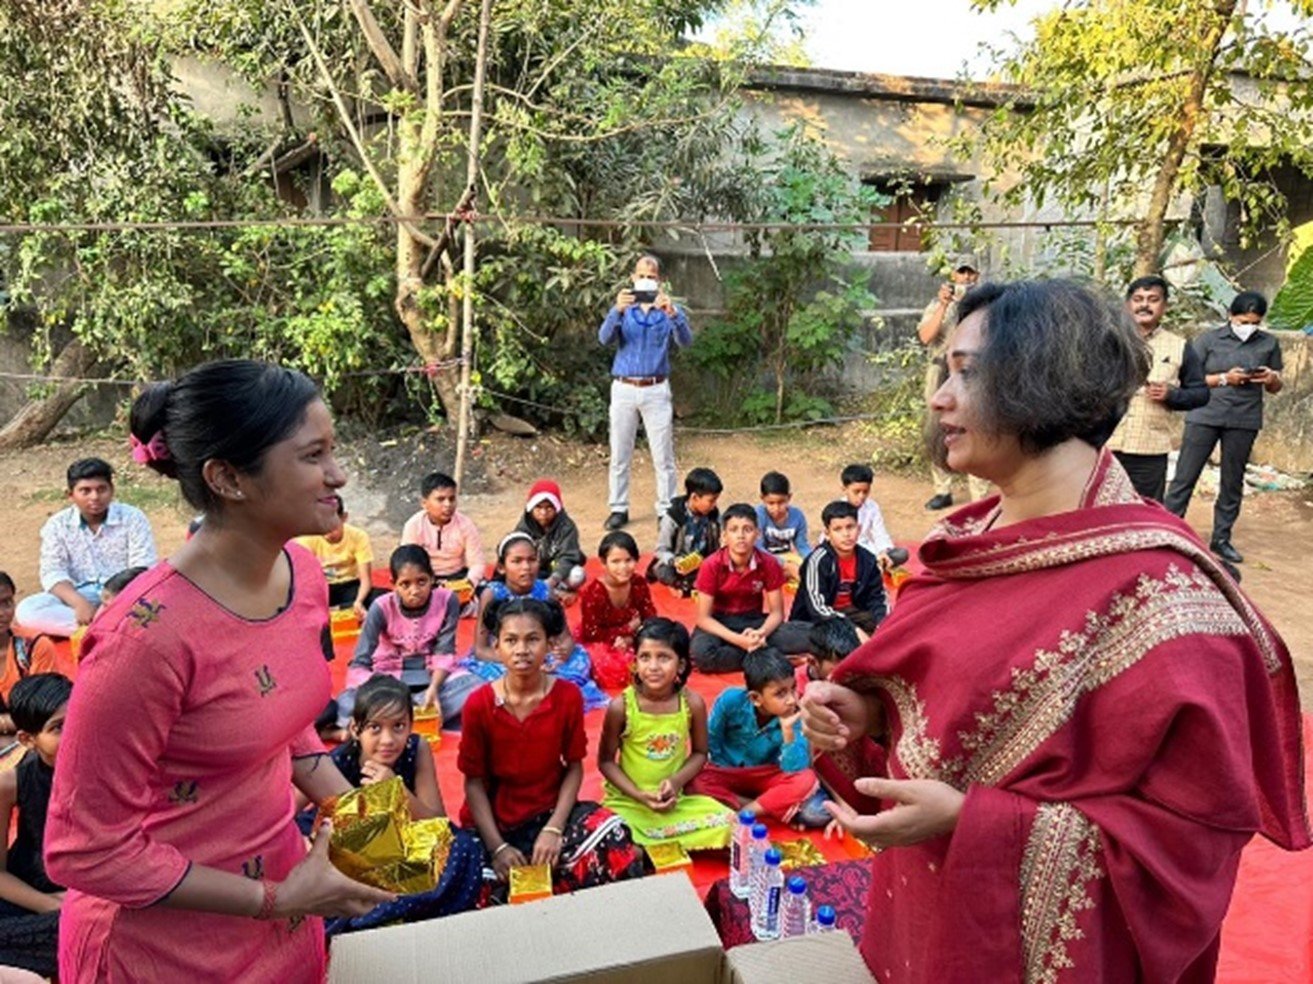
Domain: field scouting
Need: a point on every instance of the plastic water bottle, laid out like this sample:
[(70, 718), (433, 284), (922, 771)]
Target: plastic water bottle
[(796, 909), (756, 865), (766, 918), (740, 853), (825, 919)]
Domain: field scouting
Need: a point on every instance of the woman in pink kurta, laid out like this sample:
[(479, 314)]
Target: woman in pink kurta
[(193, 711)]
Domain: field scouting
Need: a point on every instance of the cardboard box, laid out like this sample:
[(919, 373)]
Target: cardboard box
[(646, 931), (829, 957)]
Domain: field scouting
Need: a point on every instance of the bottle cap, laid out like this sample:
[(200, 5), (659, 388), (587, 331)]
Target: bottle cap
[(825, 915), (747, 817), (797, 884), (774, 857), (759, 831)]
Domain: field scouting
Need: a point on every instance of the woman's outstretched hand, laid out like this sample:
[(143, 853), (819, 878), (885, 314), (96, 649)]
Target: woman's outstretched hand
[(315, 888), (834, 716), (922, 809)]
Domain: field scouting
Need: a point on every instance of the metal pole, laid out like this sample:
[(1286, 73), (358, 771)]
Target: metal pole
[(471, 181)]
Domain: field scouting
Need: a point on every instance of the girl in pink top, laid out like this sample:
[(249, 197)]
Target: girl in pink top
[(193, 712), (410, 634)]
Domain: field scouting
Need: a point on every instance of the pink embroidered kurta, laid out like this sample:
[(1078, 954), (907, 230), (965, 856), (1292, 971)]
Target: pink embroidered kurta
[(178, 750)]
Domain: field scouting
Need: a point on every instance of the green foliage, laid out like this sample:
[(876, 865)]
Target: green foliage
[(1103, 113), (1293, 306), (794, 305)]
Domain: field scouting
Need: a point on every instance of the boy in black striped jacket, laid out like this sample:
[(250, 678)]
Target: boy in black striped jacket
[(840, 576)]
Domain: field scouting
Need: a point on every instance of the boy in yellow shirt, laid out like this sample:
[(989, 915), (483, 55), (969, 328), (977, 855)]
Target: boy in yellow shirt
[(347, 559)]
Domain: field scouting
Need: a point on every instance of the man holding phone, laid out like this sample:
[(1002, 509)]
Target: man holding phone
[(936, 325), (1150, 428), (644, 323), (1241, 363)]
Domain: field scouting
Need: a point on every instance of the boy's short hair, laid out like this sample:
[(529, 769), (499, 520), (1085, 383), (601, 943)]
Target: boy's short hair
[(85, 468), (764, 667), (434, 481), (775, 483), (838, 509), (855, 474), (35, 698), (122, 579), (703, 481), (832, 639), (740, 510)]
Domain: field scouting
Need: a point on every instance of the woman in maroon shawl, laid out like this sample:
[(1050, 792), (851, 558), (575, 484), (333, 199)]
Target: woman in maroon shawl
[(1073, 720)]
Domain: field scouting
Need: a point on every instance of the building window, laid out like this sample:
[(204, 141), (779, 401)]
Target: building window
[(913, 200)]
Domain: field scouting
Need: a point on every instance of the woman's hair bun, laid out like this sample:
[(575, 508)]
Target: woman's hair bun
[(147, 419)]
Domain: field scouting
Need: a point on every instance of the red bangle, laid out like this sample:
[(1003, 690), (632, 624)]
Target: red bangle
[(269, 901)]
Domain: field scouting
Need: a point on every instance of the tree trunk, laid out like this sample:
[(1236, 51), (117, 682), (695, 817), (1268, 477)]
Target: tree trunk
[(1149, 239), (37, 418)]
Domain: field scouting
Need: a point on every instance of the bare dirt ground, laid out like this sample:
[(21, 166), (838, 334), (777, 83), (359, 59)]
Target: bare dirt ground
[(1275, 531)]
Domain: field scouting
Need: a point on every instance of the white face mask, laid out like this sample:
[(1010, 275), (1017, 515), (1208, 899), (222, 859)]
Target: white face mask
[(1243, 331), (646, 284)]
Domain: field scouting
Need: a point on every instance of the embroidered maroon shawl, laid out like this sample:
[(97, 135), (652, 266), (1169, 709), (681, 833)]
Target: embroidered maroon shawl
[(1122, 720)]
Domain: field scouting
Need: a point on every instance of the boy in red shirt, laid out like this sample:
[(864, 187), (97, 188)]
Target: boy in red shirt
[(740, 604)]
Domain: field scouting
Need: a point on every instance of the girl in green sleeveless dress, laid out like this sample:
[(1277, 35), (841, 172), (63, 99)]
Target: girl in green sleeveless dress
[(659, 731)]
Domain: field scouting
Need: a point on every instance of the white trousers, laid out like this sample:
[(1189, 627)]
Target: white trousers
[(655, 407)]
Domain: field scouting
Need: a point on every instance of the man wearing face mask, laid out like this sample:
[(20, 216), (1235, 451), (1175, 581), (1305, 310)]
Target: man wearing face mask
[(1146, 434), (936, 325), (1241, 363), (643, 324)]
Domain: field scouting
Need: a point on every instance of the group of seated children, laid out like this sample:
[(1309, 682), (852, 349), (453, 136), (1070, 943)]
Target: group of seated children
[(671, 772), (737, 563)]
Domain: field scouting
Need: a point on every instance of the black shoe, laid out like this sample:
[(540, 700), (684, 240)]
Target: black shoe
[(1227, 552), (617, 520), (1231, 569), (897, 556), (942, 501)]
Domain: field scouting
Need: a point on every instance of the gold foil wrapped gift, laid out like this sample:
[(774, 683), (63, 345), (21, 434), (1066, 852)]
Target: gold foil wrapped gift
[(530, 882), (800, 853), (668, 856), (688, 563), (376, 842), (428, 725), (461, 587)]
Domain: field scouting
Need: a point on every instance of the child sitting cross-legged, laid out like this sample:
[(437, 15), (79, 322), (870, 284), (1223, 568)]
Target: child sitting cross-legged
[(782, 526), (611, 608), (841, 577), (740, 605), (760, 760), (517, 569), (29, 900), (521, 752), (410, 634), (454, 545), (383, 746), (659, 731), (688, 532), (560, 558)]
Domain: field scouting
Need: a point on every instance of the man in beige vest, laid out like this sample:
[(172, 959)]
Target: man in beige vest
[(936, 325), (1176, 383)]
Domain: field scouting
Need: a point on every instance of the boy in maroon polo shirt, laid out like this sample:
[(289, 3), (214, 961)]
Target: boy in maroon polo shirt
[(740, 605)]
